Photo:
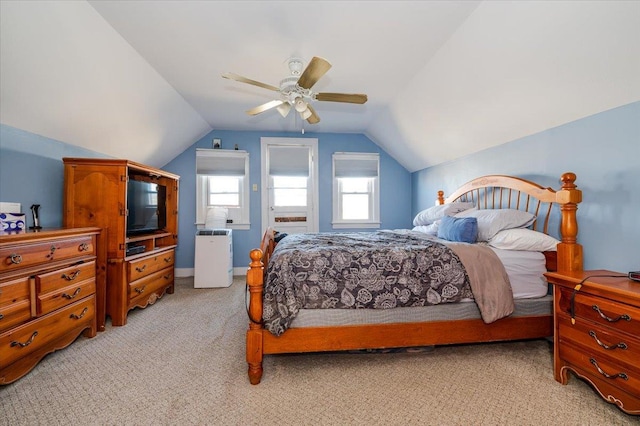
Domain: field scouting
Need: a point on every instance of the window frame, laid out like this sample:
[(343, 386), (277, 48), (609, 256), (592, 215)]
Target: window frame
[(239, 215), (338, 222)]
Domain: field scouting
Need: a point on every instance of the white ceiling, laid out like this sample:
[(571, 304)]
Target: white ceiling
[(142, 79)]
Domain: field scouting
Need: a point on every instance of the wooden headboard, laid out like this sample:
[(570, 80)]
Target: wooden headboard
[(502, 192)]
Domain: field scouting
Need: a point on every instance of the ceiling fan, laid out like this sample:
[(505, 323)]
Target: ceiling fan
[(295, 90)]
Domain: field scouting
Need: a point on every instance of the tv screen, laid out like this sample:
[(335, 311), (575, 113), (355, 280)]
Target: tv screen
[(145, 203)]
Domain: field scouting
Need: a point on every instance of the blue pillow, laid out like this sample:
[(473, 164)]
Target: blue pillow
[(460, 229)]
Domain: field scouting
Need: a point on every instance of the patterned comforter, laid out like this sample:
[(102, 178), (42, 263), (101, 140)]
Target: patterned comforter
[(379, 270)]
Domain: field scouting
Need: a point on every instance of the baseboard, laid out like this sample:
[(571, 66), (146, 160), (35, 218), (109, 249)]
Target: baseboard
[(188, 272)]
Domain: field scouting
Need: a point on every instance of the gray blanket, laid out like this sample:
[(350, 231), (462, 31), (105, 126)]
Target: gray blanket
[(379, 270)]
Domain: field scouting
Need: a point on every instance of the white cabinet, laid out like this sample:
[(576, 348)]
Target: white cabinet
[(213, 258)]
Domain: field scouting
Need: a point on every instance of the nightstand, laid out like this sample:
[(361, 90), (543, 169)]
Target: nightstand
[(597, 333)]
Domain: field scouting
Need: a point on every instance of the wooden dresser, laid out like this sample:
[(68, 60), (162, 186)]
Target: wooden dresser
[(597, 333), (47, 295)]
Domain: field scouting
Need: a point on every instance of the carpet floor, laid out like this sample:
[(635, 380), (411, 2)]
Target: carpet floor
[(182, 361)]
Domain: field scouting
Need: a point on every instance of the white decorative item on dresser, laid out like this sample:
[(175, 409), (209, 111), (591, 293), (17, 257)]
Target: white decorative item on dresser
[(47, 294), (597, 333)]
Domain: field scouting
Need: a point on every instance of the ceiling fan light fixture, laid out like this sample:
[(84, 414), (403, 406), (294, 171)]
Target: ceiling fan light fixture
[(300, 105), (305, 114), (284, 109)]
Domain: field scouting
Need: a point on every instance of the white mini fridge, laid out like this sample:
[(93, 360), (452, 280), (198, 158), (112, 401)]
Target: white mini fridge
[(213, 258)]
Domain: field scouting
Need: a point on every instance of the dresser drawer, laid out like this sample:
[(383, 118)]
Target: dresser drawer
[(145, 266), (63, 278), (49, 302), (25, 255), (600, 340), (23, 340), (602, 311), (139, 291), (15, 303), (603, 368)]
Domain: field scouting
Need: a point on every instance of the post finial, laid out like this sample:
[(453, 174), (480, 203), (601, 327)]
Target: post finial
[(568, 180)]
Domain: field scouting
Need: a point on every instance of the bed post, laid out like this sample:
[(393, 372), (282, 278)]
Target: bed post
[(569, 251), (255, 282)]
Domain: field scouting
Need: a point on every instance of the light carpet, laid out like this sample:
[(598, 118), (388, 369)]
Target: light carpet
[(182, 361)]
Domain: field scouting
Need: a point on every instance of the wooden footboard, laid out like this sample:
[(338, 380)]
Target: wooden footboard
[(317, 339)]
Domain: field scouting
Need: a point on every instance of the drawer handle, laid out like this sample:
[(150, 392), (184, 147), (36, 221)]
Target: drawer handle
[(83, 247), (620, 345), (72, 276), (1, 316), (141, 269), (52, 251), (72, 296), (167, 277), (603, 316), (27, 343), (608, 376), (84, 311), (15, 259), (167, 259), (139, 290)]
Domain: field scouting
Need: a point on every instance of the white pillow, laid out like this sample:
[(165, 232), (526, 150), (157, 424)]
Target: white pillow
[(430, 215), (492, 221), (428, 229), (523, 239)]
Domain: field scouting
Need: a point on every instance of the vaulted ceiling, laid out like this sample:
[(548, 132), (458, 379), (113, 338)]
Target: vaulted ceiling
[(142, 79)]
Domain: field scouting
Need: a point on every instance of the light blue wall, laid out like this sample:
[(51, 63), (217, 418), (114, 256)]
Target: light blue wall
[(31, 172), (603, 150), (395, 191)]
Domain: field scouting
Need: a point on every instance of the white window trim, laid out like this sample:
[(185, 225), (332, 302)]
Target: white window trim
[(201, 190), (374, 222)]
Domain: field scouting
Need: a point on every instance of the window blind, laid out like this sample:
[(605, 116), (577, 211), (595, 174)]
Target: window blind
[(355, 164), (215, 162), (288, 161)]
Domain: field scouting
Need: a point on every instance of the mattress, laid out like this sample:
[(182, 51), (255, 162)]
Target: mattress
[(525, 270), (445, 312)]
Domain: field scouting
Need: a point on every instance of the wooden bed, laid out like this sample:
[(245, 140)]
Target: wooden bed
[(488, 192)]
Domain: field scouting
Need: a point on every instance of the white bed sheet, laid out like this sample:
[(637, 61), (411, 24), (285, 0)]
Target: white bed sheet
[(525, 270)]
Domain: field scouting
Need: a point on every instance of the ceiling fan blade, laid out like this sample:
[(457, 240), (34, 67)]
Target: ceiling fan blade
[(316, 69), (354, 98), (242, 79), (262, 108), (313, 118)]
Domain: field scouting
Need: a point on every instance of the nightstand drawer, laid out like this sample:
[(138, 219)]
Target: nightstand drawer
[(600, 340), (602, 311), (603, 368), (13, 258)]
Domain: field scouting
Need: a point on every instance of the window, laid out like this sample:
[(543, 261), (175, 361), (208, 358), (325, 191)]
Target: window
[(356, 201), (290, 191), (222, 180), (224, 191)]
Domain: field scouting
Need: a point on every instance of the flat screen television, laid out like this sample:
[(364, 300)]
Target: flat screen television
[(146, 205)]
